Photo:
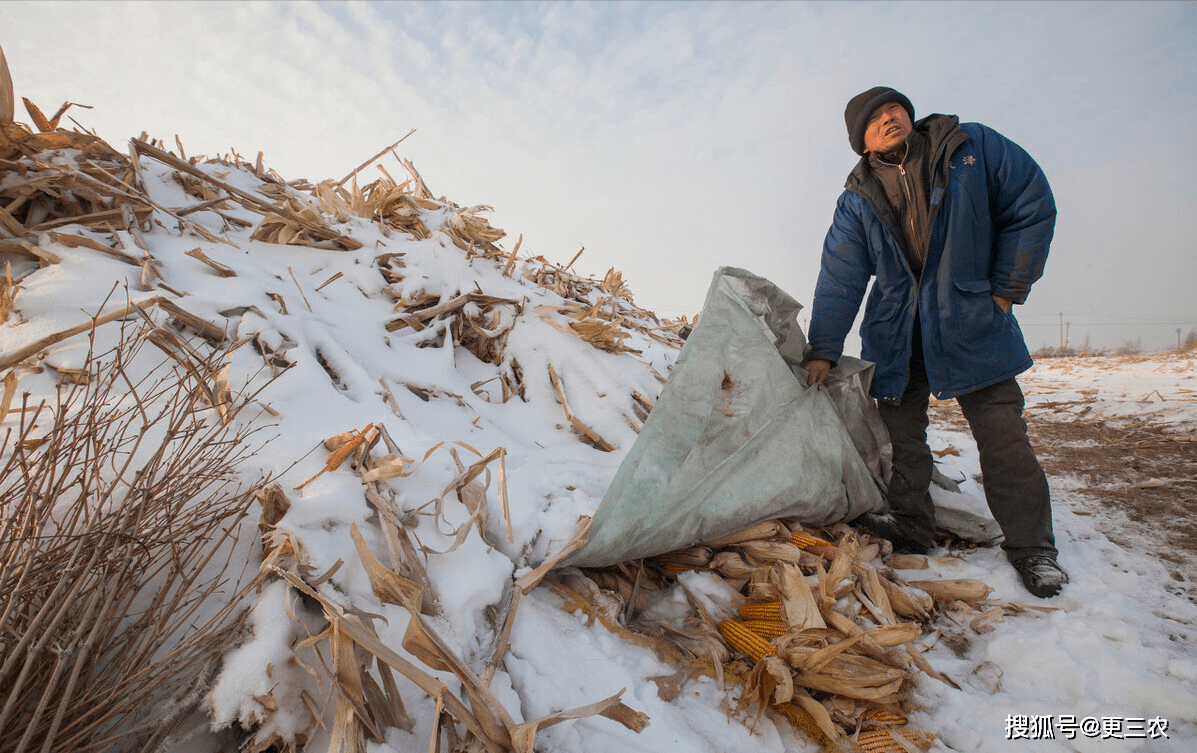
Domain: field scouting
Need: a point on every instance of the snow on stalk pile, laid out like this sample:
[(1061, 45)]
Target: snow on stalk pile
[(478, 395)]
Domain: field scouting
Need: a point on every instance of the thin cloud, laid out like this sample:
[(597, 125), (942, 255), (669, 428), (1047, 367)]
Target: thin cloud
[(667, 138)]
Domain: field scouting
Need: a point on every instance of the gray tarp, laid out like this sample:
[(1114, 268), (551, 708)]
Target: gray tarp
[(736, 436)]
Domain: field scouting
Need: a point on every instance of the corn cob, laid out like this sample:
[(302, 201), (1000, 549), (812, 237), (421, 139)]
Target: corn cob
[(695, 556), (883, 717), (812, 544), (878, 741), (766, 531), (883, 740), (801, 719), (772, 551), (761, 610), (767, 628), (947, 590), (741, 638), (731, 565)]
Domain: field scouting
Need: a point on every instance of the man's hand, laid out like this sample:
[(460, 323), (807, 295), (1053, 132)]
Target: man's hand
[(1003, 303), (816, 372)]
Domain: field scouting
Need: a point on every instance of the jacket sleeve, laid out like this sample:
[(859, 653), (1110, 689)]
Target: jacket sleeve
[(1024, 216), (843, 278)]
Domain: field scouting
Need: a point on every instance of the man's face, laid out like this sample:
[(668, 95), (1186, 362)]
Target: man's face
[(888, 127)]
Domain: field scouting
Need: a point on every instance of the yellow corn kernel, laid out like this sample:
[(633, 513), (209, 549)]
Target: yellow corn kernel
[(741, 638), (883, 740), (767, 628), (761, 610), (812, 544), (878, 741), (884, 716)]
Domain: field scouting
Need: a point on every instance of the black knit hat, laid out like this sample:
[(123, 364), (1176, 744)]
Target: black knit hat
[(860, 107)]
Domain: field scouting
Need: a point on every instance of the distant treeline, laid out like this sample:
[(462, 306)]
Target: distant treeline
[(1131, 347)]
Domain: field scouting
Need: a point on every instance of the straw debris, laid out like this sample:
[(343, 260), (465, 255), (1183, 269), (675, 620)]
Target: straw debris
[(827, 635), (349, 648), (64, 178)]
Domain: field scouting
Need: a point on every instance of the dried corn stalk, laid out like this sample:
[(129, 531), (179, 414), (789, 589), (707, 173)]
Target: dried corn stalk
[(469, 232), (285, 221), (588, 433), (6, 99), (384, 202), (92, 186), (8, 293), (614, 286), (200, 189), (602, 334), (294, 224)]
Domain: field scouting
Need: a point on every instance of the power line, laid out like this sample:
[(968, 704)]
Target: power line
[(1168, 323), (1123, 318)]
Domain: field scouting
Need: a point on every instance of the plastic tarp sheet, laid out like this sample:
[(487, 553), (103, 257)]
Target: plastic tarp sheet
[(737, 437)]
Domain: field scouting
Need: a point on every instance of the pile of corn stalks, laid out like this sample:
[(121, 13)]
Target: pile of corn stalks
[(827, 635), (40, 701), (55, 177)]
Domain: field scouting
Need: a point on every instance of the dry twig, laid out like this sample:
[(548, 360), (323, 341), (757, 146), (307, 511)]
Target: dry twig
[(115, 601)]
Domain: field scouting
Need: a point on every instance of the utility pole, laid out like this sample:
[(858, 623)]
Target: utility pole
[(1061, 333)]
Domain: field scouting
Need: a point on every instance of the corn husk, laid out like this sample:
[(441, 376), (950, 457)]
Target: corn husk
[(7, 103), (847, 629), (946, 591)]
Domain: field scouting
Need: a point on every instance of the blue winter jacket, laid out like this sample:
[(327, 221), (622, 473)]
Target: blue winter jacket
[(992, 217)]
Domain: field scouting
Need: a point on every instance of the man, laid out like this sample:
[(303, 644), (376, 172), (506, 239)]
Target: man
[(954, 222)]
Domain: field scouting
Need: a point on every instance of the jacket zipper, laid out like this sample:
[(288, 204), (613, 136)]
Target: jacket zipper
[(909, 201)]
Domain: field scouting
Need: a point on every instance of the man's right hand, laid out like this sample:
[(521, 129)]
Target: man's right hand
[(816, 372)]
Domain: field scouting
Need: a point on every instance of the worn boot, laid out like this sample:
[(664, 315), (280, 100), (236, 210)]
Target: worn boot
[(1041, 575), (904, 533)]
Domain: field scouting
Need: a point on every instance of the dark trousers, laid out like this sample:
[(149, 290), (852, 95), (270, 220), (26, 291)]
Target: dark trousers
[(1015, 485)]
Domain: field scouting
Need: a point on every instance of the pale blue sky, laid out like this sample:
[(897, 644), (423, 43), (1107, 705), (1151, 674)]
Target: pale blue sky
[(672, 138)]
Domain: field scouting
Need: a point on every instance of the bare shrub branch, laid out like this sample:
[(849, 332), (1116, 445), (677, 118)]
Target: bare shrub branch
[(120, 512)]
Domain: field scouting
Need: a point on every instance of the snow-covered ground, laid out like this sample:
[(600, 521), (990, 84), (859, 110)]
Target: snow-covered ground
[(1109, 665), (1159, 387)]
